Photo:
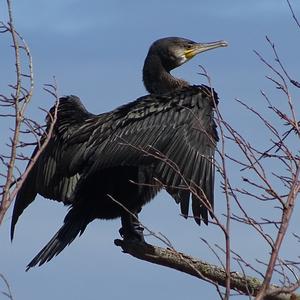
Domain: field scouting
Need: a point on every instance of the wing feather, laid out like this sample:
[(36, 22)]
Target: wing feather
[(176, 133), (48, 176)]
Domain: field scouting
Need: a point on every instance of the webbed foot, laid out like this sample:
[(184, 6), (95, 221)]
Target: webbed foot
[(131, 229)]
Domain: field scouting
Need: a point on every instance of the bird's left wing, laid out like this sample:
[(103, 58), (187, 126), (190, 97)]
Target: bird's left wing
[(175, 133)]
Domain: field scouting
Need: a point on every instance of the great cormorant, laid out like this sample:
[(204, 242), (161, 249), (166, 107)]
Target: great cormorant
[(106, 165)]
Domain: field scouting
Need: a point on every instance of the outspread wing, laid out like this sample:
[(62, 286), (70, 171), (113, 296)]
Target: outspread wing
[(49, 177), (174, 133)]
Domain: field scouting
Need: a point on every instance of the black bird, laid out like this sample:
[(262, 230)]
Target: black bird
[(109, 165)]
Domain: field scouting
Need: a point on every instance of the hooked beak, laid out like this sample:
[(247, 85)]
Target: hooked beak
[(202, 47)]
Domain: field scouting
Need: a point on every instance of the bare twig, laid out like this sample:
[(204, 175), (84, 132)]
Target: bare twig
[(7, 293), (293, 14), (20, 94)]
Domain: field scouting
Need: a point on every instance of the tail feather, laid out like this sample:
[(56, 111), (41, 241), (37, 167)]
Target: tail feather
[(64, 236)]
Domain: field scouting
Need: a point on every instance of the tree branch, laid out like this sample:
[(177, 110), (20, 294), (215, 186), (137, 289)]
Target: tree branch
[(187, 264)]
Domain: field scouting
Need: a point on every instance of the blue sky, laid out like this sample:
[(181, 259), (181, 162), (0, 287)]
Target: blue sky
[(95, 50)]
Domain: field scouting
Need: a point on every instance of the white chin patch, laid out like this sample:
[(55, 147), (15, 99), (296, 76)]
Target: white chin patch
[(183, 59)]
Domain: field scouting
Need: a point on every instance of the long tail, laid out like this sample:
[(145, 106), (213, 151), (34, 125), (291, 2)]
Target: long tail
[(74, 224)]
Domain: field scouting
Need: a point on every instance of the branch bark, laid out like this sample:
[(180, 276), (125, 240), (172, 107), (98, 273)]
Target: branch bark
[(173, 259)]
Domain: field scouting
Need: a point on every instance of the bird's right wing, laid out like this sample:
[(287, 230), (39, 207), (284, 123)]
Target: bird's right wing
[(50, 176)]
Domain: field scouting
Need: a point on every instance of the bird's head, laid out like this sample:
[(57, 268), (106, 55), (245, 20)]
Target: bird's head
[(175, 51)]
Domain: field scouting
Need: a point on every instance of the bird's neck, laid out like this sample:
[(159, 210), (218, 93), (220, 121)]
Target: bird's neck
[(157, 79)]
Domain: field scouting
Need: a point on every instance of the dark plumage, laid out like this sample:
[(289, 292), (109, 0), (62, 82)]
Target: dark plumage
[(165, 139)]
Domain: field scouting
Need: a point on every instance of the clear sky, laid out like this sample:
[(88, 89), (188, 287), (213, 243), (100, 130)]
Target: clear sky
[(95, 49)]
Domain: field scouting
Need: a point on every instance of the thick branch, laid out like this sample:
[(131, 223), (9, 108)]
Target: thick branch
[(179, 261)]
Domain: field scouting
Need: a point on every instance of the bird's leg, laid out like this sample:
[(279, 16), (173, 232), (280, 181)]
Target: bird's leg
[(131, 228)]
